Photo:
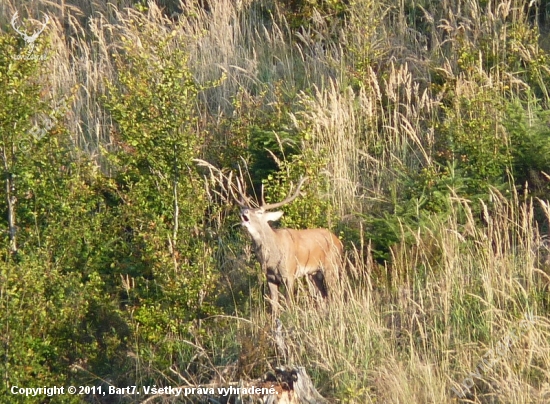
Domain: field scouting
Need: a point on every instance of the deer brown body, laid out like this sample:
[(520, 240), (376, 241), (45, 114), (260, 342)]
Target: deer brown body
[(288, 254)]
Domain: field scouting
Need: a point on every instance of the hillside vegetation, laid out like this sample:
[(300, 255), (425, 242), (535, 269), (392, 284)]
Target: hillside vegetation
[(424, 129)]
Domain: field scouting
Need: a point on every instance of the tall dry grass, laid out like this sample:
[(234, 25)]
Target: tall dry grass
[(463, 287), (424, 338)]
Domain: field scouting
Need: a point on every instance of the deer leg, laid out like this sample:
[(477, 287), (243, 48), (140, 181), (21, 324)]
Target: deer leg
[(318, 279), (274, 296)]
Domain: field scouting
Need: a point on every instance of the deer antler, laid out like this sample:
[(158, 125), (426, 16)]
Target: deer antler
[(14, 18), (288, 199), (35, 35), (243, 198)]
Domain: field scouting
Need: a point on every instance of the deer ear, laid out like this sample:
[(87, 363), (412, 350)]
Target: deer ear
[(273, 216)]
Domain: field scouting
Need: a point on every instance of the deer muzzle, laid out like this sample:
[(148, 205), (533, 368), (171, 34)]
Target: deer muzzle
[(245, 217)]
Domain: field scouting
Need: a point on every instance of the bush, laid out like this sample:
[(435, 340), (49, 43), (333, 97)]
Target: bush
[(173, 278), (56, 311)]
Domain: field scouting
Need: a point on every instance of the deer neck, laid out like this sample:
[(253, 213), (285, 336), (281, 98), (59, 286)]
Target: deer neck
[(267, 247)]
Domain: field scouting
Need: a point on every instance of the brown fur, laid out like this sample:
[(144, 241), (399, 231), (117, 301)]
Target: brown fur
[(287, 254)]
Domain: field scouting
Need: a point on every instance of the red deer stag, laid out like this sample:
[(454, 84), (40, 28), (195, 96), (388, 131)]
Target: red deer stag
[(287, 254)]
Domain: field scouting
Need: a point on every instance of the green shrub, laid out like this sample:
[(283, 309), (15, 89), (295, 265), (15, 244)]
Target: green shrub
[(57, 312), (164, 204), (530, 145), (312, 210)]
